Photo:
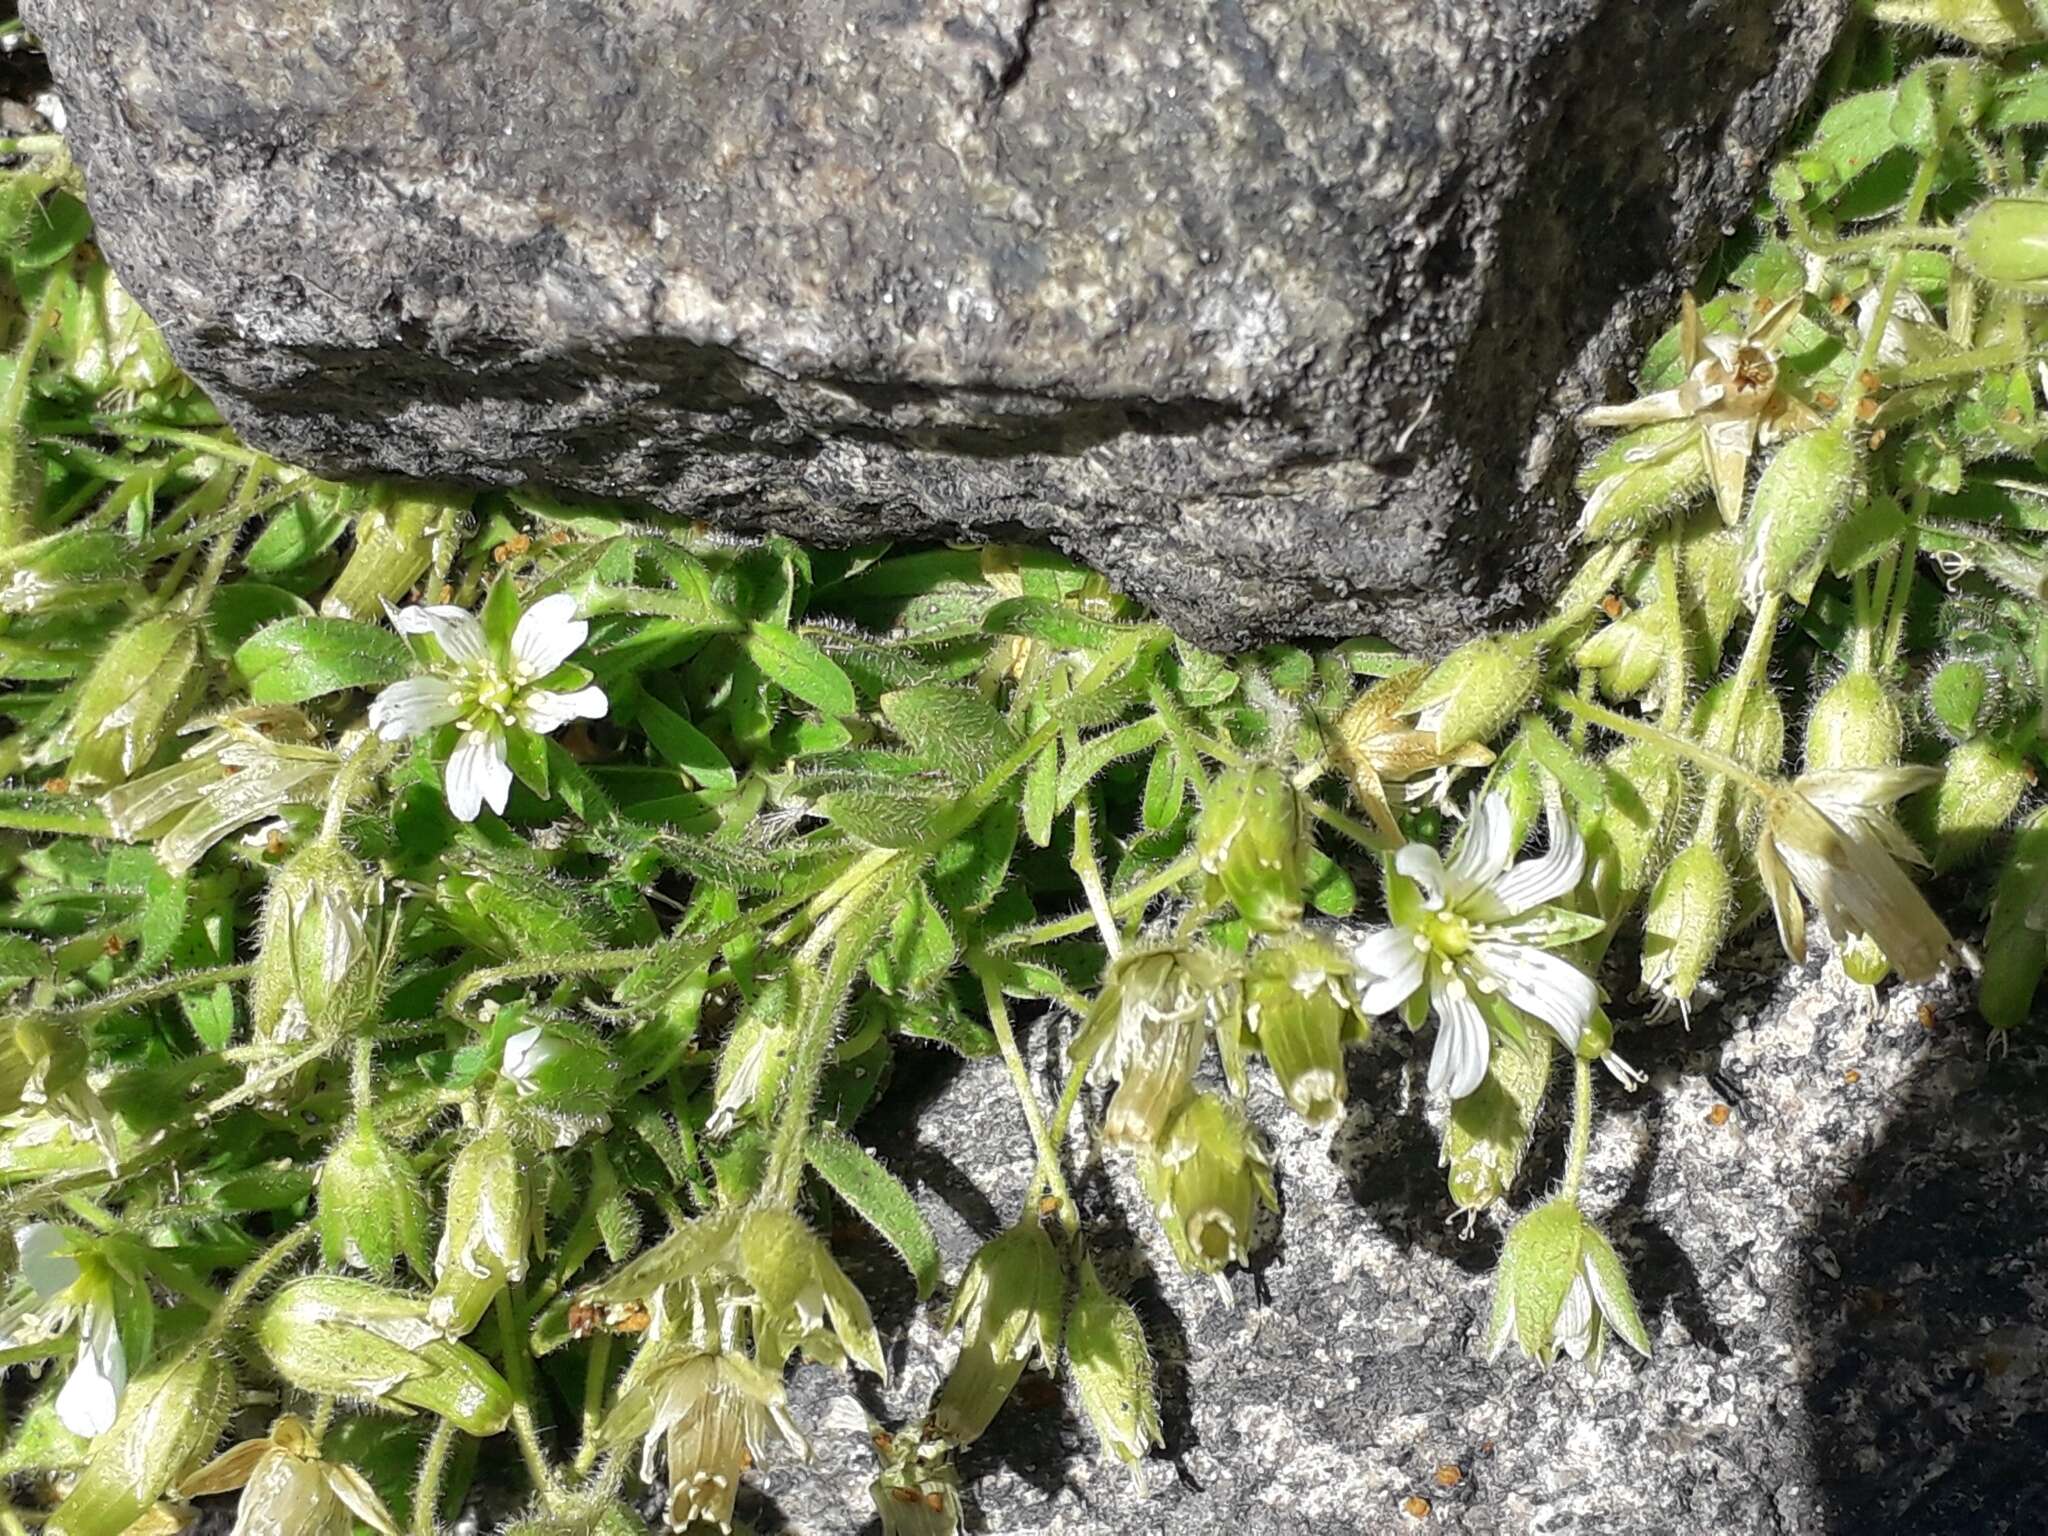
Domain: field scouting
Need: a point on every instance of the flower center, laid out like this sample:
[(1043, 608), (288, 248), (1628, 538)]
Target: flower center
[(1449, 934)]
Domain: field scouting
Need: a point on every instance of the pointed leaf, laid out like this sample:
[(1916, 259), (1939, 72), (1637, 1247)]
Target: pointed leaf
[(880, 1199), (788, 659)]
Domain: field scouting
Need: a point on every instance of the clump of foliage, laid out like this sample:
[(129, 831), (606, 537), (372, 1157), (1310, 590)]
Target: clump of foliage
[(448, 940)]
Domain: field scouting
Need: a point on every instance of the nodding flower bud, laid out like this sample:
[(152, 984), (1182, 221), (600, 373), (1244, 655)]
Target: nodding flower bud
[(318, 972), (2005, 240), (169, 1420), (1008, 1309), (755, 1058), (485, 1236), (1627, 654), (337, 1337), (394, 545), (564, 1077), (1490, 1128), (136, 695), (802, 1298), (1561, 1287), (372, 1207), (1301, 1012), (1855, 723), (1253, 837), (1147, 1030), (1639, 480), (1961, 693), (1112, 1369), (1475, 692), (1207, 1178), (1685, 924), (2016, 938), (1978, 793), (1806, 490)]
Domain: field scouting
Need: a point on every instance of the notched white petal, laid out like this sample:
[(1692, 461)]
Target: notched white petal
[(412, 708), (478, 773), (546, 712), (549, 633)]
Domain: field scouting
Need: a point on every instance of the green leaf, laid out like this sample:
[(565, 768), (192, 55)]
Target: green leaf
[(940, 1019), (1330, 889), (163, 917), (528, 756), (788, 659), (1869, 532), (1088, 759), (1165, 788), (883, 817), (1035, 618), (918, 949), (1575, 776), (1041, 794), (969, 871), (500, 616), (879, 1198), (682, 744), (305, 658), (300, 530), (54, 231), (951, 727), (239, 610)]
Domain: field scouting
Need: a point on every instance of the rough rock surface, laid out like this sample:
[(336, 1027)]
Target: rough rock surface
[(1273, 309), (1844, 1277)]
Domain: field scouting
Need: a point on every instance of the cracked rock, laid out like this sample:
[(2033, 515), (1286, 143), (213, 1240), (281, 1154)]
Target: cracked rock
[(1277, 312)]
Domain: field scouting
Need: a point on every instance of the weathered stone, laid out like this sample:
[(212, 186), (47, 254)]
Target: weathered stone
[(1844, 1277), (1275, 311)]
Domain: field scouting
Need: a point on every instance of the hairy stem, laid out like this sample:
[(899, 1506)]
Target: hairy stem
[(257, 1271), (426, 1494), (519, 1378), (1582, 1126), (1049, 1173)]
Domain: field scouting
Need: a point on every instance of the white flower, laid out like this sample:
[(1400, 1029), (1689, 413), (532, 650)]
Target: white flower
[(65, 1295), (525, 1054), (1476, 931), (487, 690), (1830, 836)]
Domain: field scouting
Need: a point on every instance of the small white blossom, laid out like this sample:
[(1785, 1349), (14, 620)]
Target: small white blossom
[(487, 691), (525, 1054), (1476, 929), (65, 1295)]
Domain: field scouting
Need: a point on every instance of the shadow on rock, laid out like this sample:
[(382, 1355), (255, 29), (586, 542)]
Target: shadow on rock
[(1927, 1303)]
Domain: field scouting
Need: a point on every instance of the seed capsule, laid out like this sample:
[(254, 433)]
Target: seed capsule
[(1112, 1369), (486, 1236), (1207, 1178), (1300, 1012), (1978, 793), (317, 972), (169, 1420), (1478, 689), (1253, 837), (1685, 923), (1008, 1308), (1806, 490), (372, 1207), (137, 694), (1489, 1129), (1856, 723)]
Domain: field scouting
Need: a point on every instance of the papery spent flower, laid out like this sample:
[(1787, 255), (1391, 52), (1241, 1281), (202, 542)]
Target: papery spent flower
[(1377, 748), (1730, 400), (1007, 1309), (288, 1489), (1476, 933), (1301, 1012), (1148, 1029), (494, 677), (1829, 835), (1112, 1369), (1207, 1178), (713, 1411)]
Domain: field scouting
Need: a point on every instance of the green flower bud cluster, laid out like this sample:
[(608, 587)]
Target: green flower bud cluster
[(1981, 787), (2005, 241)]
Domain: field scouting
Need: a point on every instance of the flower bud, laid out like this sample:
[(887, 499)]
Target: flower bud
[(1855, 724), (394, 545), (1806, 490), (318, 974), (799, 1290), (169, 1420), (372, 1208), (756, 1058), (1960, 694), (137, 694), (1301, 1013), (1644, 781), (565, 1079), (1206, 1178), (1112, 1370), (1686, 923), (1008, 1309), (1627, 654), (1560, 1287), (330, 1335), (1489, 1128), (1977, 795), (1640, 480), (2016, 939), (485, 1236), (1253, 837), (1147, 1029), (1759, 739), (2005, 241), (1476, 691)]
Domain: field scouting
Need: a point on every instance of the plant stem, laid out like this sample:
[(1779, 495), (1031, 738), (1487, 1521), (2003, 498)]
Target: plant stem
[(1049, 1172), (596, 1377), (1134, 899), (1622, 725), (1756, 655), (1091, 873), (129, 997), (1676, 681), (597, 962), (426, 1494), (1372, 838), (519, 1378), (1582, 1126), (254, 1274), (1887, 294), (1902, 585)]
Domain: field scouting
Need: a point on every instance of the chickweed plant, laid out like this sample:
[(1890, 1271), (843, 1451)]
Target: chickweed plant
[(448, 940)]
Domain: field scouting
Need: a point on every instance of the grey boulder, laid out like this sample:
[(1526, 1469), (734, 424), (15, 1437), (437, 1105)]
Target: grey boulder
[(1277, 312)]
